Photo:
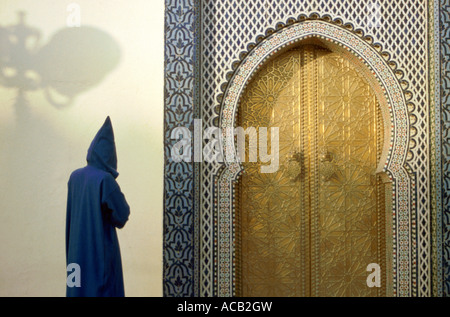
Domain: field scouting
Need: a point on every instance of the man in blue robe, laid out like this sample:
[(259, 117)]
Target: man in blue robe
[(95, 208)]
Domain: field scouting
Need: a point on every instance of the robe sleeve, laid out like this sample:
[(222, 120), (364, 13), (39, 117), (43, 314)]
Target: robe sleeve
[(114, 203)]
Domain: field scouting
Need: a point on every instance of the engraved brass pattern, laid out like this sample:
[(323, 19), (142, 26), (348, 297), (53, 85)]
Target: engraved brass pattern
[(312, 227)]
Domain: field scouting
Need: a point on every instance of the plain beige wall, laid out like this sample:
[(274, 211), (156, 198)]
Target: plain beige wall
[(41, 144)]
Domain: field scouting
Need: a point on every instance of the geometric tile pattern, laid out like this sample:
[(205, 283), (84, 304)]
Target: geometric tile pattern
[(229, 26), (178, 242), (288, 36), (445, 137), (194, 85), (435, 147)]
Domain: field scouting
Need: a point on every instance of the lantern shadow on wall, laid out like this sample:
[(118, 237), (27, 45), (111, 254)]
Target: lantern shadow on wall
[(73, 60)]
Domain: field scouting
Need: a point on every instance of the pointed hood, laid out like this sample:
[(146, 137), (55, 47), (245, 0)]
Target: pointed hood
[(102, 152)]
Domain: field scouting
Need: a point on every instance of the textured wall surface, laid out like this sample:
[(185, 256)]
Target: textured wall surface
[(45, 134)]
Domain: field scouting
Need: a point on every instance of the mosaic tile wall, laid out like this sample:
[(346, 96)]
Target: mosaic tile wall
[(445, 137), (178, 275), (195, 75)]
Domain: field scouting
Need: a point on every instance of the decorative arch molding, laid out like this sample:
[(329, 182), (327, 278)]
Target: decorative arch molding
[(394, 99)]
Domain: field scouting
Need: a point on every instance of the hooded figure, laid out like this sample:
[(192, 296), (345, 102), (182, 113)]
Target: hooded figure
[(95, 208)]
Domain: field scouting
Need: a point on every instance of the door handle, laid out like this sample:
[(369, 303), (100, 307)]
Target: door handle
[(327, 167), (294, 165)]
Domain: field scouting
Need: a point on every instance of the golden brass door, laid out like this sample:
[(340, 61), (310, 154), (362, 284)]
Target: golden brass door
[(312, 227)]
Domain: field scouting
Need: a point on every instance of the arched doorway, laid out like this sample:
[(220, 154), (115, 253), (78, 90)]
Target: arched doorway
[(312, 227)]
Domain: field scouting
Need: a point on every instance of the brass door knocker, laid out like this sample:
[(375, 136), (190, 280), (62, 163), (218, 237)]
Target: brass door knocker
[(294, 165), (327, 167)]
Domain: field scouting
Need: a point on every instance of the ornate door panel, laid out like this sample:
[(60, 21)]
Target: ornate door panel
[(312, 227)]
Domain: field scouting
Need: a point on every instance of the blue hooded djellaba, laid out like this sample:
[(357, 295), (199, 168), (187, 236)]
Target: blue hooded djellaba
[(95, 208)]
